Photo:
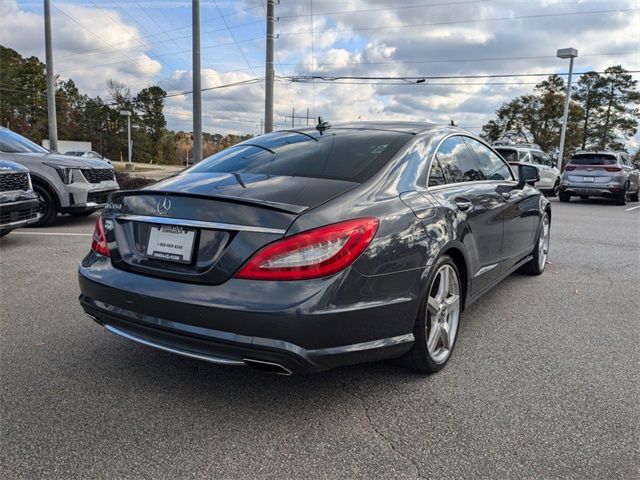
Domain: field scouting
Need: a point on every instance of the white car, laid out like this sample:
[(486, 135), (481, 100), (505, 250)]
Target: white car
[(530, 154), (88, 154)]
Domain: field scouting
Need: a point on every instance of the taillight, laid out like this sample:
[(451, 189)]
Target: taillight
[(99, 242), (312, 254), (570, 167), (613, 169)]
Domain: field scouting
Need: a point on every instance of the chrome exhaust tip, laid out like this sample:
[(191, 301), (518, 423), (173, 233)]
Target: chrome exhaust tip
[(269, 367)]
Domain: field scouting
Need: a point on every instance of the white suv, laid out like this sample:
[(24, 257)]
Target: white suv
[(530, 154), (64, 184)]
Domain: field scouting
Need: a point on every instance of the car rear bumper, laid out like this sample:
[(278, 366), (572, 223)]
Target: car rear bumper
[(18, 213), (591, 190), (295, 330)]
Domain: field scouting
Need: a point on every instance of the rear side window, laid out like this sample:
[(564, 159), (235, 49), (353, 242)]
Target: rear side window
[(350, 155), (593, 159), (491, 165), (436, 174), (457, 162), (509, 154), (536, 158)]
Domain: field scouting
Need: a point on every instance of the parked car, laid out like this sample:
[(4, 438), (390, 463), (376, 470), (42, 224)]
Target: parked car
[(530, 154), (88, 154), (303, 250), (64, 184), (18, 201), (605, 174)]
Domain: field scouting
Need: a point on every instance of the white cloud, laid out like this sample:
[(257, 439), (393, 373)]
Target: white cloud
[(444, 40), (82, 53)]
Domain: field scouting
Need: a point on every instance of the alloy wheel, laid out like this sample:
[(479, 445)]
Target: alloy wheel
[(543, 243), (443, 313)]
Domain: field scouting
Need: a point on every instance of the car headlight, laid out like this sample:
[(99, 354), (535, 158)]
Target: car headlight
[(65, 173)]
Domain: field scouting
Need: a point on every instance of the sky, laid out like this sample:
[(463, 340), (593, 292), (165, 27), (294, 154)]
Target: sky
[(143, 43)]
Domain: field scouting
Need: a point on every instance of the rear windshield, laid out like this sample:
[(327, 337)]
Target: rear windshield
[(593, 159), (351, 155), (509, 154)]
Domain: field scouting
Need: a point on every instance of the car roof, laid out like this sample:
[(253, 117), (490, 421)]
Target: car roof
[(598, 152), (412, 128)]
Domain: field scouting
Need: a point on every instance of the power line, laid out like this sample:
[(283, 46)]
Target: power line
[(234, 38), (400, 7), (142, 37), (329, 78), (206, 47), (535, 57), (521, 17)]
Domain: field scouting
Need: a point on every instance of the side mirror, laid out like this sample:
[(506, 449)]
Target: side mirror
[(528, 174), (637, 165)]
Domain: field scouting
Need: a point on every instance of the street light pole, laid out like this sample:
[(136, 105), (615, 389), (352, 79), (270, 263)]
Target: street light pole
[(564, 53)]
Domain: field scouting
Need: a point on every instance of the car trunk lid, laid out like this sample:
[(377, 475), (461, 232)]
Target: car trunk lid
[(202, 227)]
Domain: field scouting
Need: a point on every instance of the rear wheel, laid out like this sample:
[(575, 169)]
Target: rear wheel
[(536, 265), (621, 198), (564, 197), (436, 327), (634, 196), (48, 207), (556, 188)]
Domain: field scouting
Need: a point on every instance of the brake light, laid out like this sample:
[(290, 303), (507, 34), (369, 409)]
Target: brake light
[(99, 242), (570, 167), (613, 169), (315, 253)]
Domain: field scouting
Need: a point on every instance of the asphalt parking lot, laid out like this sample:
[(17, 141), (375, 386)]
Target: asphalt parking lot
[(544, 382)]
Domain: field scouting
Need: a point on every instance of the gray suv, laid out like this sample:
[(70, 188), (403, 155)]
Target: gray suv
[(64, 184), (600, 174)]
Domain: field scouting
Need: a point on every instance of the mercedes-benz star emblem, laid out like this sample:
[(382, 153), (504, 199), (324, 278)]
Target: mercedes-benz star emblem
[(163, 206)]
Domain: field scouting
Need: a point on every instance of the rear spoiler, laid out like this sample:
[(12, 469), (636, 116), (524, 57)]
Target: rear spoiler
[(278, 206)]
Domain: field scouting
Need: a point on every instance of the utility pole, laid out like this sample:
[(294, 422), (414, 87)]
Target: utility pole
[(51, 92), (127, 113), (268, 75), (197, 85)]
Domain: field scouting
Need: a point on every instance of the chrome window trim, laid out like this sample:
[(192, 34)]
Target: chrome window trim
[(462, 134), (184, 222), (184, 353)]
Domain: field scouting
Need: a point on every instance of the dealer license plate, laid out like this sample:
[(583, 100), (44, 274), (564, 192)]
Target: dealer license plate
[(171, 242)]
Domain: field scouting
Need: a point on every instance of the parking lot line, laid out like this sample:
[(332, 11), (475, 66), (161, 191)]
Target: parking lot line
[(54, 233), (632, 208)]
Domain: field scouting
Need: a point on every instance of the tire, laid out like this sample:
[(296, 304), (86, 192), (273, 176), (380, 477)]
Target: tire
[(634, 196), (554, 191), (429, 353), (83, 213), (48, 206), (6, 232), (564, 197), (536, 265), (621, 198)]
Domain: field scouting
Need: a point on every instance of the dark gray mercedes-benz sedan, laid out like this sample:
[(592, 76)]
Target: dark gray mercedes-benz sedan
[(303, 250)]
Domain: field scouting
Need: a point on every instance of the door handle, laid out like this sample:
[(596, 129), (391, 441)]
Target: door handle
[(463, 204)]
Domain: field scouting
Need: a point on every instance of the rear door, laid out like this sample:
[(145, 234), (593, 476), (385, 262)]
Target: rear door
[(475, 206), (520, 205)]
